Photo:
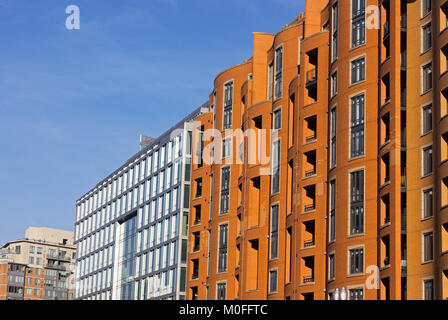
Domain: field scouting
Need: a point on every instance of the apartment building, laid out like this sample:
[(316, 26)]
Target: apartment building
[(131, 229), (427, 175), (38, 267), (337, 94)]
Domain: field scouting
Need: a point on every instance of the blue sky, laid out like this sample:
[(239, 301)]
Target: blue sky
[(73, 103)]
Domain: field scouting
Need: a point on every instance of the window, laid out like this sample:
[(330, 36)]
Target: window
[(274, 232), (275, 165), (197, 241), (356, 261), (333, 138), (273, 281), (332, 210), (228, 104), (270, 79), (356, 294), (221, 291), (357, 202), (226, 147), (427, 203), (32, 249), (31, 260), (331, 270), (427, 119), (335, 27), (195, 274), (427, 77), (428, 247), (426, 7), (427, 161), (429, 289), (357, 126), (358, 70), (334, 83), (278, 72), (358, 22), (225, 189), (198, 187), (39, 250), (426, 37), (277, 123), (223, 241), (211, 198)]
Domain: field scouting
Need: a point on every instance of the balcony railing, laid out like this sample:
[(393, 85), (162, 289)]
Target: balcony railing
[(310, 207), (55, 266), (308, 279), (310, 173), (308, 243), (310, 138), (311, 77)]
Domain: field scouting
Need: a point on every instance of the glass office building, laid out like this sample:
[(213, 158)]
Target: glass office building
[(131, 230)]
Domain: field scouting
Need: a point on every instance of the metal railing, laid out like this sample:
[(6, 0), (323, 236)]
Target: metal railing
[(310, 138), (308, 243), (309, 207), (310, 173), (308, 279), (55, 266)]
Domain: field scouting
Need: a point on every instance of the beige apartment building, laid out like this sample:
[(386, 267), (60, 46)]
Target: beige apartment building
[(38, 267)]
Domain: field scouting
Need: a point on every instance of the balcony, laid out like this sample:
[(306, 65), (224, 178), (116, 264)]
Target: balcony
[(310, 173), (310, 129), (56, 267), (310, 138), (308, 244), (308, 279), (310, 207), (311, 77), (60, 256), (309, 164)]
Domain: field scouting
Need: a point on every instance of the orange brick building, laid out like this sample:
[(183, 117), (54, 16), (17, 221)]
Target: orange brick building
[(335, 210)]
